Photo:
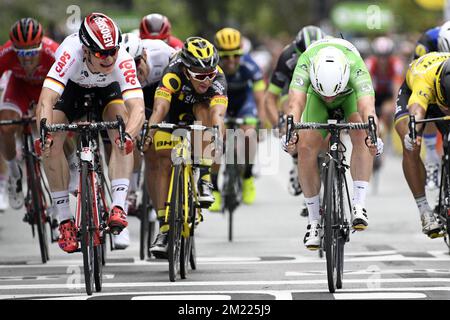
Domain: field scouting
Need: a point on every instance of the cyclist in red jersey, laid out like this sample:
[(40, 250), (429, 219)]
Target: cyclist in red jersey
[(386, 70), (29, 56), (157, 26)]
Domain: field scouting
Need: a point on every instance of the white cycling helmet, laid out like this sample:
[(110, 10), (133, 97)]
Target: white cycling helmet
[(329, 72), (133, 44), (444, 38)]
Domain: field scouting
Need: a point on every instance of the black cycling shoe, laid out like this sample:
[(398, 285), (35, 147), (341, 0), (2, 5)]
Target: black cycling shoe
[(160, 246)]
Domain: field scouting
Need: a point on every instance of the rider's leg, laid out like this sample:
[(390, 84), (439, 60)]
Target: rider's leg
[(8, 152), (432, 159), (120, 167)]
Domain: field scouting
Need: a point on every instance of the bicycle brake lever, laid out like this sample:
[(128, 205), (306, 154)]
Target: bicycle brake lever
[(372, 130), (412, 127), (289, 123), (121, 129)]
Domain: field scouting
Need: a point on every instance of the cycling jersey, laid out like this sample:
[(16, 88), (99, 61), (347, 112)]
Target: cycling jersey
[(175, 43), (247, 79), (421, 77), (9, 61), (158, 56), (22, 89), (176, 88), (428, 42), (359, 82), (282, 75), (70, 64), (384, 75)]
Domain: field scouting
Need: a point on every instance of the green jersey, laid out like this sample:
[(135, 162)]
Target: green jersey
[(359, 82)]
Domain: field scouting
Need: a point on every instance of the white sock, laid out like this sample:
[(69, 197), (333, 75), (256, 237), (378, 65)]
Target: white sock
[(134, 181), (431, 155), (313, 205), (13, 168), (62, 205), (422, 204), (359, 192), (119, 189)]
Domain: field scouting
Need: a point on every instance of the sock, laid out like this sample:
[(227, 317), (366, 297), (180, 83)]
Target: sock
[(248, 171), (134, 181), (431, 155), (359, 192), (62, 205), (214, 180), (313, 205), (422, 205), (119, 189), (13, 168), (163, 226)]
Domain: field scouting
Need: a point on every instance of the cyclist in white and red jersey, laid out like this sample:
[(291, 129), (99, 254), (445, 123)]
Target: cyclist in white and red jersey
[(28, 55), (156, 26), (91, 62)]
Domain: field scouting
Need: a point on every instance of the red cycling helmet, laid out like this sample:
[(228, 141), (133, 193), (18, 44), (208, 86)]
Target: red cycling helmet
[(26, 32), (99, 32), (155, 26)]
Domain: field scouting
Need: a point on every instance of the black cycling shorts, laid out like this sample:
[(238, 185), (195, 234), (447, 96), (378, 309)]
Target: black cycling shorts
[(72, 100)]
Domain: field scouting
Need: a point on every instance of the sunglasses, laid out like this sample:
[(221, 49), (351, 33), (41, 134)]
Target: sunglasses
[(103, 54), (203, 76), (230, 56), (22, 53)]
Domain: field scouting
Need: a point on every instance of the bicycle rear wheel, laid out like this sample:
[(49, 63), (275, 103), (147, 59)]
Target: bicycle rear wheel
[(175, 222), (330, 237), (39, 212), (86, 236)]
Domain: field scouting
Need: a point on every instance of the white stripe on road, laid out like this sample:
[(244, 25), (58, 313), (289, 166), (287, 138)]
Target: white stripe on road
[(367, 272), (183, 297), (372, 282), (279, 295), (378, 296)]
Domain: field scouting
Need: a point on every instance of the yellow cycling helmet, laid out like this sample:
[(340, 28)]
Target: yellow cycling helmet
[(228, 39), (199, 53)]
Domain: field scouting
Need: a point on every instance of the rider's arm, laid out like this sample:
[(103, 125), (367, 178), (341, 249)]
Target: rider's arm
[(259, 99), (135, 106), (161, 107), (270, 101), (298, 87), (296, 104), (218, 108), (47, 100)]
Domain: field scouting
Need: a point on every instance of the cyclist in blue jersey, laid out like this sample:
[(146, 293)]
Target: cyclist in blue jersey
[(246, 88)]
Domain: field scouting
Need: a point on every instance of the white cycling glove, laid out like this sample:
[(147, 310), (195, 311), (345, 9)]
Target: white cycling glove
[(380, 147), (409, 144)]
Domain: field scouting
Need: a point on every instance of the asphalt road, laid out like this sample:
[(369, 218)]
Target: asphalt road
[(392, 259)]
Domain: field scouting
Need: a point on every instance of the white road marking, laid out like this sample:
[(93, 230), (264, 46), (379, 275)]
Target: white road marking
[(278, 294), (183, 297), (45, 278), (219, 283), (378, 296), (368, 272)]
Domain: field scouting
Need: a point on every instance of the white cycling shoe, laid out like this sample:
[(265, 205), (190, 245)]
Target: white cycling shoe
[(313, 236), (122, 240), (430, 226), (360, 221)]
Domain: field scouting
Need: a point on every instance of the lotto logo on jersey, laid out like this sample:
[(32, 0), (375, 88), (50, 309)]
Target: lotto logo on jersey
[(62, 62), (129, 72)]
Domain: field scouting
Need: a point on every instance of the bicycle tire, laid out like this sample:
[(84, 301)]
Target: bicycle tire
[(175, 223), (444, 192), (144, 227), (186, 242), (86, 237), (340, 235), (100, 249), (193, 256), (38, 209), (330, 234)]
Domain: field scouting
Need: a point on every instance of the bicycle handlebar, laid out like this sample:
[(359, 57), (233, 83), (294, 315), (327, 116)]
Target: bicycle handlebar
[(332, 125), (23, 120), (413, 122), (119, 124)]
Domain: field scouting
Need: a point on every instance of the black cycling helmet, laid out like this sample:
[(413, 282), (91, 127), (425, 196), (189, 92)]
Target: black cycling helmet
[(443, 83), (199, 53), (308, 35)]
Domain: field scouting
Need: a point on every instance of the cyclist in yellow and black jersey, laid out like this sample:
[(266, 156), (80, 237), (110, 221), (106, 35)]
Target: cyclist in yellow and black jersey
[(424, 93), (192, 87)]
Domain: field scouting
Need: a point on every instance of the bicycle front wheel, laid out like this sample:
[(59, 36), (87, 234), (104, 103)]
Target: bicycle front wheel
[(331, 237), (175, 222), (187, 240), (39, 216), (144, 228), (86, 236)]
